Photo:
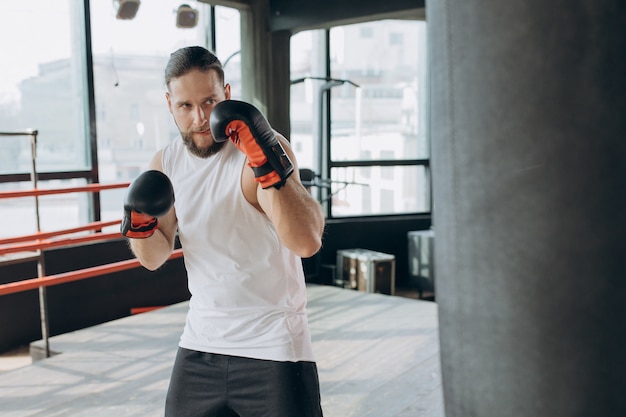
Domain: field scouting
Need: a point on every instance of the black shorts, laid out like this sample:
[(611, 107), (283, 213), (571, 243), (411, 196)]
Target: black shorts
[(211, 385)]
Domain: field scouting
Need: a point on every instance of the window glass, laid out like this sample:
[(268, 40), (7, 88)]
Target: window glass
[(378, 117), (379, 190), (42, 88), (307, 64), (42, 85), (388, 109), (228, 46)]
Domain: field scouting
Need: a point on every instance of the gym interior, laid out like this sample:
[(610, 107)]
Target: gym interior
[(469, 158)]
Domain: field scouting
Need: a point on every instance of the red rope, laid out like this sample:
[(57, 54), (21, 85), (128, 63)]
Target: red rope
[(91, 188), (47, 281), (47, 244), (47, 235)]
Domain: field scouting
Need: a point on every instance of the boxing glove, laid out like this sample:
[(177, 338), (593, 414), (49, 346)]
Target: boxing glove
[(149, 196), (248, 129)]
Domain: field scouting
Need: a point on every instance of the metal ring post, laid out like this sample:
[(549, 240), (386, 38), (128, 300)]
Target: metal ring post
[(41, 266), (41, 270)]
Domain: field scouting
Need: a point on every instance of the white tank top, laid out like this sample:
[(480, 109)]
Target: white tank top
[(248, 294)]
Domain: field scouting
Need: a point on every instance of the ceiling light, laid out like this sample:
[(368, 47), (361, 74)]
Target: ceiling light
[(186, 17), (126, 9)]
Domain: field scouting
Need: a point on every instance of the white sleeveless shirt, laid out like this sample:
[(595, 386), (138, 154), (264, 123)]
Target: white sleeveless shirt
[(248, 294)]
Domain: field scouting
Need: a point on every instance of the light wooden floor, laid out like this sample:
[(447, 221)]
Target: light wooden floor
[(377, 356)]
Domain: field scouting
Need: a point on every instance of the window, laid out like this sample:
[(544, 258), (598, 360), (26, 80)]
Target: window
[(307, 63), (228, 46), (378, 135), (366, 32), (369, 140), (43, 87), (378, 190), (396, 39), (42, 84)]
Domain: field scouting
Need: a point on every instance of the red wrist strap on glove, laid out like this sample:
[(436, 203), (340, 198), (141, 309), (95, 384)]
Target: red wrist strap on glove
[(151, 192), (137, 225), (264, 172)]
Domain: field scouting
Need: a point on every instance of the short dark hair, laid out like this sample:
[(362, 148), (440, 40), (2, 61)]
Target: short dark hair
[(188, 58)]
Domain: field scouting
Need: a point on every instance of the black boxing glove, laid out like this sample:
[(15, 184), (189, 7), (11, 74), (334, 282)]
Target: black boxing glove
[(149, 196), (248, 129)]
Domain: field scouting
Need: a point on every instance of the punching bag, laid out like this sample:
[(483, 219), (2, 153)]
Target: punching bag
[(528, 133)]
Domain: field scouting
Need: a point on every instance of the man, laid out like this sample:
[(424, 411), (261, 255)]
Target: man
[(244, 223)]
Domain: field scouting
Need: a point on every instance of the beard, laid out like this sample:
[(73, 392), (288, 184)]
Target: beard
[(203, 153)]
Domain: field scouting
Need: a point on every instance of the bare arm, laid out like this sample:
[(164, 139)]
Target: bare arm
[(153, 251), (296, 215)]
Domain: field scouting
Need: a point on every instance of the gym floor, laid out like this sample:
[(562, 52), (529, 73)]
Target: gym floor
[(20, 357), (378, 356)]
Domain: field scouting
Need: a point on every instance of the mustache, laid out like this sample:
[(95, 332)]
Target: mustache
[(201, 129), (201, 152)]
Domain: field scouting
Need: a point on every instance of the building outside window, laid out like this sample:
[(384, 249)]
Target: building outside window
[(378, 159), (43, 87)]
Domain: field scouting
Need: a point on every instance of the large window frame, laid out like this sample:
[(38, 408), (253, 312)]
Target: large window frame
[(89, 204), (90, 174), (323, 84)]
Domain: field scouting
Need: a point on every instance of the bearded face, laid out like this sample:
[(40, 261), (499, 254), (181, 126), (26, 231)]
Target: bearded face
[(195, 150), (191, 98)]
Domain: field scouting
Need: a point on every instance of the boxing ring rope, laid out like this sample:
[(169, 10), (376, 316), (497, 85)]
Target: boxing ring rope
[(47, 244), (48, 191), (46, 235), (40, 241), (44, 281), (47, 281)]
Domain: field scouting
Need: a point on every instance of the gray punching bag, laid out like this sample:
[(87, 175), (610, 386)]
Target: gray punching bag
[(528, 130)]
